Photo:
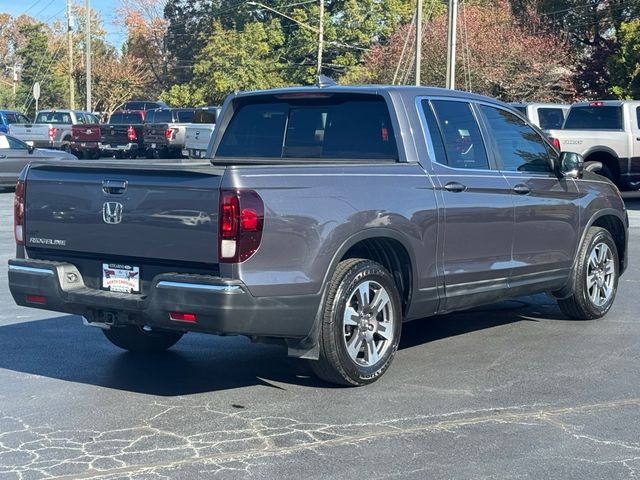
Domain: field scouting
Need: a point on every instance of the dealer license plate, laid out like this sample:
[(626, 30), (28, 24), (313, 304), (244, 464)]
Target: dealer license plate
[(120, 278)]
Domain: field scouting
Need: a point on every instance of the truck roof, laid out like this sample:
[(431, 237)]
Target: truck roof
[(401, 90), (539, 104), (606, 103)]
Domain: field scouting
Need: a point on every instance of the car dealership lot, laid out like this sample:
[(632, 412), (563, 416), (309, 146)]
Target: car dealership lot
[(508, 391)]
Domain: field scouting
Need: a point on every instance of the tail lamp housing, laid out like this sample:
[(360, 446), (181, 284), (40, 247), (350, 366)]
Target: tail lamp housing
[(556, 143), (52, 133), (131, 134), (170, 133), (240, 224), (18, 213)]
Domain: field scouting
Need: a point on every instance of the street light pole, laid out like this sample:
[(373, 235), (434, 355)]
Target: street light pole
[(87, 29), (70, 40), (451, 44), (320, 39), (418, 41)]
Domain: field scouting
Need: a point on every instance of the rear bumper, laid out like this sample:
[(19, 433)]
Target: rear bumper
[(222, 306), (55, 144), (85, 146), (128, 147)]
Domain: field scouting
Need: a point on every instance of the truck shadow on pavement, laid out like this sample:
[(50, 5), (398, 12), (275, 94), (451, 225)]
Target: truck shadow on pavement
[(61, 348)]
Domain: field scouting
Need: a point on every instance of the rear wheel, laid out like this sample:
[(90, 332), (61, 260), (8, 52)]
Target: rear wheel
[(141, 339), (595, 279), (361, 324)]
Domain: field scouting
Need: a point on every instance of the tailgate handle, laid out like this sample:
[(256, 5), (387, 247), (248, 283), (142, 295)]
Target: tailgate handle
[(114, 187)]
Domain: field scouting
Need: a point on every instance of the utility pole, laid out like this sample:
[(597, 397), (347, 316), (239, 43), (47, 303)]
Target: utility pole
[(320, 38), (15, 77), (70, 39), (87, 29), (418, 41), (451, 44)]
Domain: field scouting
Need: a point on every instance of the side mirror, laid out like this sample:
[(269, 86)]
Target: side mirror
[(571, 164), (30, 148)]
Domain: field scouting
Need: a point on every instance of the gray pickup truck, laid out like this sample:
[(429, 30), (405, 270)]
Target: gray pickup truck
[(324, 219)]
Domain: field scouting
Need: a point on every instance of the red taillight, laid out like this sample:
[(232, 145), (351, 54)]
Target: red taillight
[(556, 143), (39, 299), (131, 134), (183, 317), (52, 133), (170, 133), (596, 104), (18, 213), (241, 223)]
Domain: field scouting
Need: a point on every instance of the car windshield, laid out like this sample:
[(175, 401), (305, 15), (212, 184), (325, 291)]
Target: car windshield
[(594, 118), (54, 117), (329, 127)]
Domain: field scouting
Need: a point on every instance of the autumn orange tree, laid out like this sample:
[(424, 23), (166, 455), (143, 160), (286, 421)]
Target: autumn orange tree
[(496, 56)]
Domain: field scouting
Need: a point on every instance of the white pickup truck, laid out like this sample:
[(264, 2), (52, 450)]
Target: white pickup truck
[(545, 116), (52, 128), (198, 135), (607, 135)]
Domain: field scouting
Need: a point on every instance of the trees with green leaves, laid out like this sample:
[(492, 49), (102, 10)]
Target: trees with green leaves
[(625, 62)]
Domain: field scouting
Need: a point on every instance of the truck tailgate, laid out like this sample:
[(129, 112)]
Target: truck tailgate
[(198, 136), (36, 132), (114, 135), (110, 211), (85, 133)]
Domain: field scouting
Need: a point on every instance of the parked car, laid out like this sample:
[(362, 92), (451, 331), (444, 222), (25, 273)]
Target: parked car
[(198, 134), (8, 117), (606, 134), (142, 105), (85, 138), (123, 136), (51, 129), (15, 155), (335, 214), (546, 116), (165, 131)]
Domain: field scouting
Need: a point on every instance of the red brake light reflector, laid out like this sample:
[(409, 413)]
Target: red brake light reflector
[(18, 213), (52, 133), (183, 317), (131, 134), (39, 299), (556, 143), (249, 220)]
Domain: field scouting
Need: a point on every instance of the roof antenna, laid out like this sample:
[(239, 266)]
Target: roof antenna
[(324, 81)]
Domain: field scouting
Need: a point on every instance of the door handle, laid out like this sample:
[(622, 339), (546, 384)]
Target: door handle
[(114, 187), (455, 187), (521, 189), (3, 156)]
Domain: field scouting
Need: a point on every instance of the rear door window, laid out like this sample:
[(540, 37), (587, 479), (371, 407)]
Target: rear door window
[(11, 118), (339, 126), (463, 142), (520, 147), (550, 118), (594, 118)]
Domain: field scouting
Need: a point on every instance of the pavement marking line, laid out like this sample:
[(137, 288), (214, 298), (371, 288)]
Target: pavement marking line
[(545, 415)]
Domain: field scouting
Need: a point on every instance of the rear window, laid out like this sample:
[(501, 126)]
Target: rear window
[(53, 117), (550, 118), (185, 116), (594, 118), (332, 127), (204, 116), (126, 118), (162, 116)]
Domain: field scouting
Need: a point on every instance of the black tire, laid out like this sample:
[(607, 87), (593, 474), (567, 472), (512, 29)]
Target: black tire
[(137, 339), (630, 186), (580, 305), (599, 168), (66, 145), (335, 364)]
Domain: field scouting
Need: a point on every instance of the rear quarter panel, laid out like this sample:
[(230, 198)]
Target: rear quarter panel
[(314, 214)]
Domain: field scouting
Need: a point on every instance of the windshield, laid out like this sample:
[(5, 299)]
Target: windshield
[(331, 127), (594, 118), (54, 117)]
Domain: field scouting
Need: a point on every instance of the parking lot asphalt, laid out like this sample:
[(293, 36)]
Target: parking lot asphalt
[(508, 391)]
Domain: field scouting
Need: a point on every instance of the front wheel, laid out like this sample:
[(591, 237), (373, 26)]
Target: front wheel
[(361, 324), (595, 281), (141, 340)]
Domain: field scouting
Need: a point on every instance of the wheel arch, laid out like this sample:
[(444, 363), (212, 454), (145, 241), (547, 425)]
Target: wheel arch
[(606, 156)]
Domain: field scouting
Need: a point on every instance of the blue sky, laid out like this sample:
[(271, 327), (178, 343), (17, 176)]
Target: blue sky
[(50, 10)]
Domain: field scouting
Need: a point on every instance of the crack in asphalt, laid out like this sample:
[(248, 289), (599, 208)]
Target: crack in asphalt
[(147, 449)]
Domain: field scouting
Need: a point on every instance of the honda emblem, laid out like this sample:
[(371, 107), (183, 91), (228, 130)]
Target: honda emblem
[(112, 213)]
